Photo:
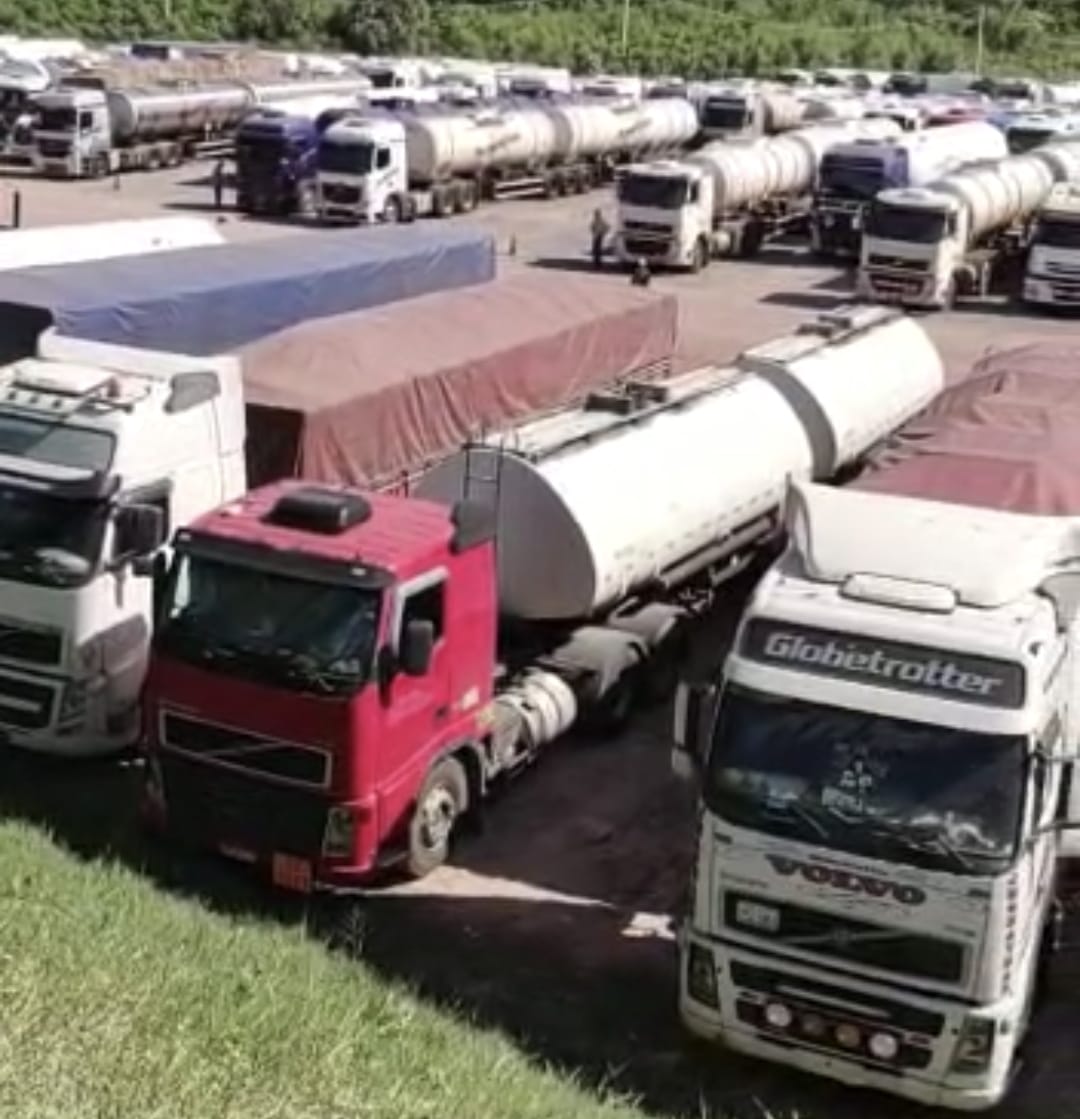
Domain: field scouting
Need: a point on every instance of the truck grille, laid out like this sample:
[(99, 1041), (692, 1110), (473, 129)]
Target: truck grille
[(810, 1001), (639, 246), (338, 192), (19, 642), (1066, 271), (898, 262), (648, 227), (856, 942), (211, 806), (280, 761), (53, 149), (25, 704)]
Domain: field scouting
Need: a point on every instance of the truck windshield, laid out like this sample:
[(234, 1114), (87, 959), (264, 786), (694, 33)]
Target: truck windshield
[(1025, 139), (730, 116), (902, 223), (49, 541), (354, 158), (659, 192), (1058, 233), (57, 120), (297, 633), (858, 179), (853, 781), (260, 151)]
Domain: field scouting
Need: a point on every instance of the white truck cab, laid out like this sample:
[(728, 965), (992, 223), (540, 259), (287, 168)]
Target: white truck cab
[(103, 450), (362, 171), (914, 242), (665, 214), (73, 133), (1052, 276), (883, 773)]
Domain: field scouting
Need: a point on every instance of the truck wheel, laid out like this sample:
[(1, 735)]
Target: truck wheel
[(700, 258), (443, 798), (391, 214), (948, 301), (617, 706), (469, 197)]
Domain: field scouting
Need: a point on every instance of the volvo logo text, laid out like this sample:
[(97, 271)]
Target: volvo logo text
[(853, 882)]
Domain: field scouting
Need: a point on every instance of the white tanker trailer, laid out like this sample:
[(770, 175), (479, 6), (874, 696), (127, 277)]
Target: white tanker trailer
[(562, 589), (924, 246), (440, 160), (616, 522), (94, 131), (742, 112), (729, 197), (852, 174)]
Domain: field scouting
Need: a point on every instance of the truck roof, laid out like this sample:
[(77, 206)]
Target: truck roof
[(918, 198), (998, 444), (210, 300), (1064, 199), (402, 535), (363, 398)]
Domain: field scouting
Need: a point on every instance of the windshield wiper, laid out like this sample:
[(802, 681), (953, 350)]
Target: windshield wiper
[(929, 844)]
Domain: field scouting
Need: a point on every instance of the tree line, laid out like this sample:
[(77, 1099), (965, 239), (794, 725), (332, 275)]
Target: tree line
[(695, 38)]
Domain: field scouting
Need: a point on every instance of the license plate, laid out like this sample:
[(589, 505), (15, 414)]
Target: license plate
[(240, 854), (751, 915), (291, 873)]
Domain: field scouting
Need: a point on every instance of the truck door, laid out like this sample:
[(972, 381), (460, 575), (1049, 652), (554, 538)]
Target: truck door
[(416, 708)]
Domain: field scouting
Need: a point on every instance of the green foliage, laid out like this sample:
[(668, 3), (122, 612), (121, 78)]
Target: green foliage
[(701, 38), (120, 1001)]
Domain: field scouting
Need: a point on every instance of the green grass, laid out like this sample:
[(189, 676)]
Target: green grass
[(118, 1001)]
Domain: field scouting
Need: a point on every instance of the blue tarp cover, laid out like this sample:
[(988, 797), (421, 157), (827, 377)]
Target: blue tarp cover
[(213, 299)]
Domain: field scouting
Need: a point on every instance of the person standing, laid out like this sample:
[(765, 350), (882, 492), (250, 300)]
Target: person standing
[(218, 178), (599, 229)]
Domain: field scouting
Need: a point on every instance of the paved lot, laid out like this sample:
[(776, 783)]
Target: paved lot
[(553, 923)]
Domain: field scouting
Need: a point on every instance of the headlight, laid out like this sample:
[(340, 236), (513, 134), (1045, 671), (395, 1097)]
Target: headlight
[(884, 1046), (779, 1016), (339, 835), (701, 976), (976, 1045), (73, 701), (90, 656)]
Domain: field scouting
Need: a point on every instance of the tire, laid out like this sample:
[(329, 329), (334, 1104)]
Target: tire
[(700, 260), (442, 800), (617, 707), (391, 214), (469, 197), (948, 303), (439, 204)]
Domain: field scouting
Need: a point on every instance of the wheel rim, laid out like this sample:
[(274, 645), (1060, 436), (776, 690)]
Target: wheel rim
[(437, 815)]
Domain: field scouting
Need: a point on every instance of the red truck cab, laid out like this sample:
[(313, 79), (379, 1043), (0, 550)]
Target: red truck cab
[(321, 682)]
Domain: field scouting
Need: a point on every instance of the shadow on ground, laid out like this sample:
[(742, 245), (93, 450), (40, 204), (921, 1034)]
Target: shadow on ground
[(552, 926)]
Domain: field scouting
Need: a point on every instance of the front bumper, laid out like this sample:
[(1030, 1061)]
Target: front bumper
[(904, 289), (1052, 292), (276, 830), (920, 1071), (660, 251), (58, 716)]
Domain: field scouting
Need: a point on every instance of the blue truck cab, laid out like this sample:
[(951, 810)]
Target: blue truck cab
[(275, 161), (850, 177)]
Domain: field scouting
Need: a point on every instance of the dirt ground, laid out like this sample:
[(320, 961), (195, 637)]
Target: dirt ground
[(553, 924)]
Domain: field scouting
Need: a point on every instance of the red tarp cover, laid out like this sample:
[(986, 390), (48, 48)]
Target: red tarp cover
[(371, 397), (1006, 438)]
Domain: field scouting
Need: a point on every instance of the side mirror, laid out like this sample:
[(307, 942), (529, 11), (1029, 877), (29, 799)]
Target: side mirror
[(417, 645), (695, 714), (139, 532)]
